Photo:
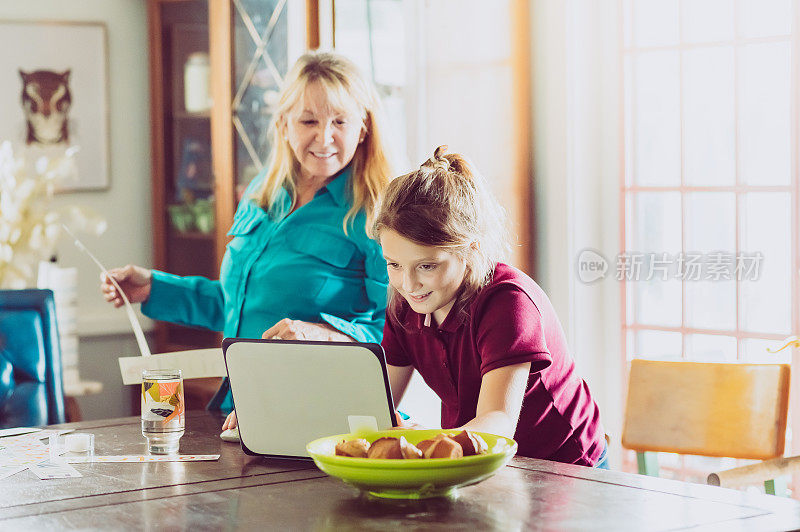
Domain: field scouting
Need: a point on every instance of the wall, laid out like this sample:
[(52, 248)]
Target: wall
[(576, 183), (104, 332)]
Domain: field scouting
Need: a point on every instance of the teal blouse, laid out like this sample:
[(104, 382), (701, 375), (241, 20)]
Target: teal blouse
[(277, 265)]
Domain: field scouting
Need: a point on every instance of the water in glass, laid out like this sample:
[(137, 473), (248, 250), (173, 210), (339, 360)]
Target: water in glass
[(163, 410)]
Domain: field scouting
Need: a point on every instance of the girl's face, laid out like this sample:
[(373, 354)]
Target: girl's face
[(323, 139), (427, 277)]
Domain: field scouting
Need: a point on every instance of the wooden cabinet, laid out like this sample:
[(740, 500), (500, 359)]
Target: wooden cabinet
[(209, 132), (205, 155)]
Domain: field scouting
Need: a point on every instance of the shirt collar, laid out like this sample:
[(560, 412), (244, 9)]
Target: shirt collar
[(454, 319), (337, 188), (451, 323)]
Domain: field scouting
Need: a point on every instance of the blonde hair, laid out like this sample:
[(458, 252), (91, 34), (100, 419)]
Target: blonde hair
[(446, 204), (343, 84)]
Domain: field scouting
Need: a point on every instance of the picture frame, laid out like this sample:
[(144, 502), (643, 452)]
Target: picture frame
[(54, 95)]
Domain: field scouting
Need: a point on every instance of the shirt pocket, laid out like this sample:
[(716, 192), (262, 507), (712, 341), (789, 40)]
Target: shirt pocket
[(334, 274), (248, 217), (335, 250), (242, 244)]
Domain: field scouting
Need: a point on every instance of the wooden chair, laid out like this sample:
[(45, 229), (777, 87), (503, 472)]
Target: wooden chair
[(709, 409)]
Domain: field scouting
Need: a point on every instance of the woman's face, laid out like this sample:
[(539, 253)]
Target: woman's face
[(427, 277), (323, 139)]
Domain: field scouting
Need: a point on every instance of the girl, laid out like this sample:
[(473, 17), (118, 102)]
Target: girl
[(482, 334)]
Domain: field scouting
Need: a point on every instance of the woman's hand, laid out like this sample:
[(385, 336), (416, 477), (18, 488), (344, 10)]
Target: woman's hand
[(134, 280), (406, 423), (230, 421), (287, 329)]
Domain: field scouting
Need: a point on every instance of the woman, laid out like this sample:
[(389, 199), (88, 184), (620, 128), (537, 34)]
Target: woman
[(300, 263)]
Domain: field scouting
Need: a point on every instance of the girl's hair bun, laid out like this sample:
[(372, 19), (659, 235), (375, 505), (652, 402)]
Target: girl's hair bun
[(438, 161)]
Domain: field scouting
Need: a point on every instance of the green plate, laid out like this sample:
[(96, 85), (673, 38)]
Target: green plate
[(410, 479)]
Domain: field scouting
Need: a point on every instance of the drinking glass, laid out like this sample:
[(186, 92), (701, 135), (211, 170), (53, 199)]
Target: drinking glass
[(163, 410)]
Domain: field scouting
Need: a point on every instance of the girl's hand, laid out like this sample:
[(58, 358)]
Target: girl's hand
[(230, 421), (134, 280), (287, 329)]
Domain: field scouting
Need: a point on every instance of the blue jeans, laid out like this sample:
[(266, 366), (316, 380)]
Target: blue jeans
[(602, 462)]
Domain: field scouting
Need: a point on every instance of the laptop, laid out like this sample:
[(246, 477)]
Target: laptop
[(290, 392)]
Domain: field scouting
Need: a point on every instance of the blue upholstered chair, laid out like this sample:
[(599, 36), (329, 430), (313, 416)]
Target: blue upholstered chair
[(31, 391)]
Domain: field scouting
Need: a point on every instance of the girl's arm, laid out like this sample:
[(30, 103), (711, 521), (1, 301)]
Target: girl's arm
[(398, 380), (500, 400)]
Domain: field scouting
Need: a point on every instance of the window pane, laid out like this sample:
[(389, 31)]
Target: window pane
[(657, 223), (755, 351), (388, 42), (766, 225), (765, 113), (711, 221), (707, 20), (710, 348), (658, 345), (372, 34), (708, 264), (708, 116), (657, 118), (658, 302), (657, 229), (711, 304), (655, 22), (352, 33), (765, 18)]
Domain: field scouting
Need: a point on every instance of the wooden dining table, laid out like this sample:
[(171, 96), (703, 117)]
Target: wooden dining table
[(250, 492)]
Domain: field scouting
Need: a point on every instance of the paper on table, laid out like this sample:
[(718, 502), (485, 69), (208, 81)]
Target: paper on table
[(50, 469), (137, 327), (17, 430), (8, 470), (195, 363)]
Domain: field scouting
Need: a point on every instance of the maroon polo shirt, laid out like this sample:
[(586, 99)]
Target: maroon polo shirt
[(510, 321)]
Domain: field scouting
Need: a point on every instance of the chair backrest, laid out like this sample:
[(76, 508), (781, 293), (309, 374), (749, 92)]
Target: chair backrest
[(31, 390), (709, 409)]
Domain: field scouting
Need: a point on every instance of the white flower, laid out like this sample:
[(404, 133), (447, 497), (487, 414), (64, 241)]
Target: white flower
[(29, 226)]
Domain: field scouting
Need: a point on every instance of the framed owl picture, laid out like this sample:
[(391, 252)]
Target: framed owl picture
[(54, 96)]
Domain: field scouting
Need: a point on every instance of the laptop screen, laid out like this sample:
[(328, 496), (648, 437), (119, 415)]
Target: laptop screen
[(288, 392)]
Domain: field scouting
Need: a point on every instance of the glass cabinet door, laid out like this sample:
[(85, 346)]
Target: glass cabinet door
[(260, 62), (216, 70)]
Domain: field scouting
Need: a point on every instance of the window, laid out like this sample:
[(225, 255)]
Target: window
[(372, 34), (710, 179)]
